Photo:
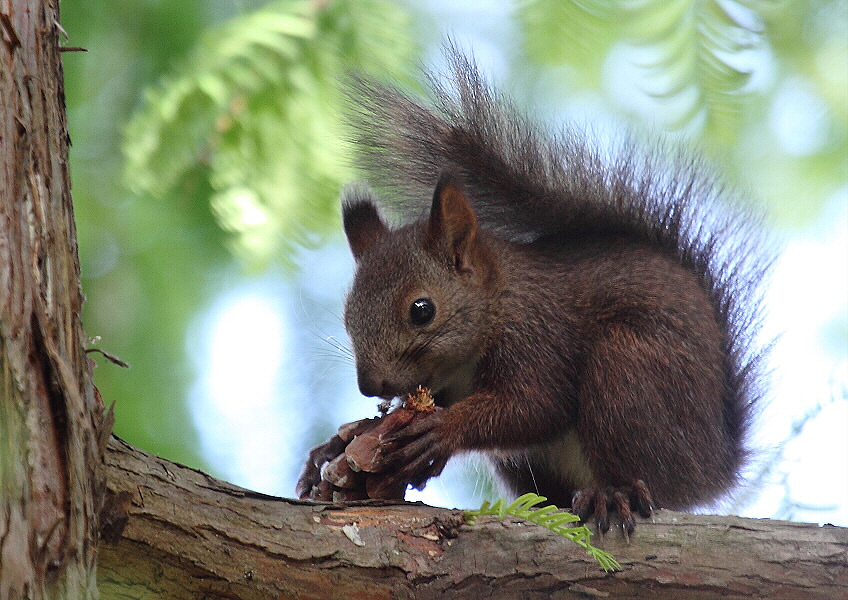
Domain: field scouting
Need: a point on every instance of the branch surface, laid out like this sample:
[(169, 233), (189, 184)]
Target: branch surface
[(189, 535)]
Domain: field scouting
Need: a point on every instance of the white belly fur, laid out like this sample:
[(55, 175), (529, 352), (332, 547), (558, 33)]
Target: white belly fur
[(565, 456), (562, 459)]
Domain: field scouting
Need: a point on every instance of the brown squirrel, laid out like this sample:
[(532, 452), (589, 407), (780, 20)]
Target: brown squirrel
[(574, 316)]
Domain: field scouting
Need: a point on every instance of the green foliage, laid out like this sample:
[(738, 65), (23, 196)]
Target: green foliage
[(811, 56), (550, 517), (697, 47), (578, 34), (720, 71), (145, 265), (689, 50), (256, 107)]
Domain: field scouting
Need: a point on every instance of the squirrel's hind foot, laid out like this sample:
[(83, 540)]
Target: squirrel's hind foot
[(599, 502)]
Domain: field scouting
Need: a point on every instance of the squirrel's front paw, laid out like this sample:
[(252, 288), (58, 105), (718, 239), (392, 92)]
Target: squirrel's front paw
[(419, 451), (318, 456), (309, 484), (599, 502)]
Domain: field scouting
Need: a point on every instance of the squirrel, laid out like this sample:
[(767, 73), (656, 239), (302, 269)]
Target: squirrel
[(585, 321)]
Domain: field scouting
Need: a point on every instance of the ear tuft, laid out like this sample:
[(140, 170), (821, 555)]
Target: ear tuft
[(362, 223)]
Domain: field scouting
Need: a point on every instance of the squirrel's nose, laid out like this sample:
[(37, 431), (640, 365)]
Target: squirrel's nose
[(369, 385), (372, 385)]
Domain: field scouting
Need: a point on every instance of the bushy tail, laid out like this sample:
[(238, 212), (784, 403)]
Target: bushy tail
[(525, 183)]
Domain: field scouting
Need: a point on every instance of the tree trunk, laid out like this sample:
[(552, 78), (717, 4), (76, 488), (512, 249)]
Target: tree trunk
[(191, 536), (51, 476)]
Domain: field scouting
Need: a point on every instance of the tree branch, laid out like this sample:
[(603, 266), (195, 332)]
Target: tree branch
[(190, 535)]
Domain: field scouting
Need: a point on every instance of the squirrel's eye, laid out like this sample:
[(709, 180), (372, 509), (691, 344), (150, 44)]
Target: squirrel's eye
[(422, 311)]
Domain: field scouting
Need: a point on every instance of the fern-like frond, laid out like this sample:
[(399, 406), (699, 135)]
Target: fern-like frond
[(551, 517), (696, 56), (578, 34), (256, 107), (698, 59)]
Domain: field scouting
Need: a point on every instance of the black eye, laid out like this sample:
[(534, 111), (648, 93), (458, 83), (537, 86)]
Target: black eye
[(422, 311)]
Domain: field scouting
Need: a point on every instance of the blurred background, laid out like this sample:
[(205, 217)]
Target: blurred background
[(208, 155)]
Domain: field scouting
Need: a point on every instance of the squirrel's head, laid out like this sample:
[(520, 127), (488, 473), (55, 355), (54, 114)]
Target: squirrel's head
[(419, 309)]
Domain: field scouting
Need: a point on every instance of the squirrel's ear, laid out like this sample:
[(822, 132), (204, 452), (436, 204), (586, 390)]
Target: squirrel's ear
[(362, 223), (453, 225)]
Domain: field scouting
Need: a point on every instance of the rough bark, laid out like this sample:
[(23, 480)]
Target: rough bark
[(189, 535), (50, 462)]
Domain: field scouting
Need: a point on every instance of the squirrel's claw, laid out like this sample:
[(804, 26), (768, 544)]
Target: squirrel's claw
[(597, 503), (311, 474)]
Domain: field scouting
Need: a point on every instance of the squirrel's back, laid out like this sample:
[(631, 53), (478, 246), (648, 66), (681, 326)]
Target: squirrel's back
[(526, 185)]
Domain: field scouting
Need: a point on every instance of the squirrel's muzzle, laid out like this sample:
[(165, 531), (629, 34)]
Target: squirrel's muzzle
[(372, 384)]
